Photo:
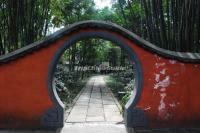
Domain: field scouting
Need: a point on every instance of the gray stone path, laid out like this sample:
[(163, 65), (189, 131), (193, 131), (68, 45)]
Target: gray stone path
[(95, 111), (95, 104)]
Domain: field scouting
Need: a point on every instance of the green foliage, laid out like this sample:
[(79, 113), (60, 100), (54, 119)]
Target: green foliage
[(125, 99), (104, 14), (121, 85), (168, 24), (68, 84), (69, 11), (22, 22)]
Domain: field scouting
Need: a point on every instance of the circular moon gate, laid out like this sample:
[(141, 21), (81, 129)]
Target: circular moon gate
[(160, 97), (116, 39)]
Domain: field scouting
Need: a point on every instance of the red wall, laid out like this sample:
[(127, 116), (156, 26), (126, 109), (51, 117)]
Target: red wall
[(24, 95), (169, 96)]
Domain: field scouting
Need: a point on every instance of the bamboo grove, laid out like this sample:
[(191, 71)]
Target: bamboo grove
[(169, 24), (22, 22)]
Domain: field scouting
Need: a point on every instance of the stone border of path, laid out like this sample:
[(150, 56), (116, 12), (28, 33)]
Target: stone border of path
[(115, 99)]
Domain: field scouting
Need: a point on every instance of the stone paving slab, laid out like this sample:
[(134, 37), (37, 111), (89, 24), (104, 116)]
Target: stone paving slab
[(108, 102), (78, 114), (95, 111), (97, 105), (81, 104), (95, 119), (94, 128)]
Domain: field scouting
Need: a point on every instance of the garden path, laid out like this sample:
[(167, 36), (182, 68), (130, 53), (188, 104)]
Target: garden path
[(95, 104), (96, 110)]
